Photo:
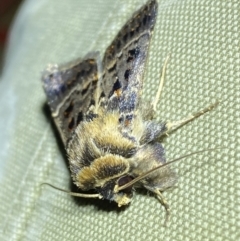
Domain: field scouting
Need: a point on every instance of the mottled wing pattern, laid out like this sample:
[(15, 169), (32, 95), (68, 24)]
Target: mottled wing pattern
[(124, 63), (72, 92)]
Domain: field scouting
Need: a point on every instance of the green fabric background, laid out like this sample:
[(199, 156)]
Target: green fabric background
[(203, 39)]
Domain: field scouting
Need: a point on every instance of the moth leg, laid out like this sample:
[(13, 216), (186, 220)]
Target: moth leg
[(163, 201), (170, 126), (156, 99)]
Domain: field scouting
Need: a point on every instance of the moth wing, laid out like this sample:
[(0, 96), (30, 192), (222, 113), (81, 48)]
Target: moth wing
[(72, 92), (124, 63)]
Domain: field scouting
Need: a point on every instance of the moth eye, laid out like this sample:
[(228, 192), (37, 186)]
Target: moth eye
[(124, 180)]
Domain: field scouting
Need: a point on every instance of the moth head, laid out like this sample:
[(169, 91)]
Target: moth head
[(103, 175), (108, 191), (122, 197)]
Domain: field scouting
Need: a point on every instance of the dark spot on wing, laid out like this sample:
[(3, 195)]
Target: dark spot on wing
[(127, 74), (125, 37), (92, 102), (144, 21), (90, 116), (132, 33), (129, 117), (121, 119), (84, 91), (80, 74), (112, 69), (117, 85), (118, 44), (79, 117), (115, 89), (62, 88), (133, 54), (102, 95), (71, 124), (68, 110)]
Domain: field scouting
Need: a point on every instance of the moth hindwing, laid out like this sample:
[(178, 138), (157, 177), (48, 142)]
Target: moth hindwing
[(109, 133)]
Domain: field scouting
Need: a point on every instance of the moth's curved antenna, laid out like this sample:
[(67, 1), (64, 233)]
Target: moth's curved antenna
[(137, 179), (75, 194)]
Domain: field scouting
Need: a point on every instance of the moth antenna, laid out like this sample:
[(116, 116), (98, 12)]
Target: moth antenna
[(137, 179), (75, 194)]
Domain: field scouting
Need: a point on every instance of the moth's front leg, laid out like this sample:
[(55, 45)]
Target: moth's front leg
[(147, 158), (154, 130), (171, 126), (162, 200)]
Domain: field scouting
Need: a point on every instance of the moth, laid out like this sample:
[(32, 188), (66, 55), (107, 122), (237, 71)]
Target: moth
[(109, 131)]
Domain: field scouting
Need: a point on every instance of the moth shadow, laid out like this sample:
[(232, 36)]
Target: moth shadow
[(47, 113), (100, 204)]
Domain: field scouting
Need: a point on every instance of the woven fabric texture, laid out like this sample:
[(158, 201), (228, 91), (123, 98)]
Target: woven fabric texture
[(203, 39)]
